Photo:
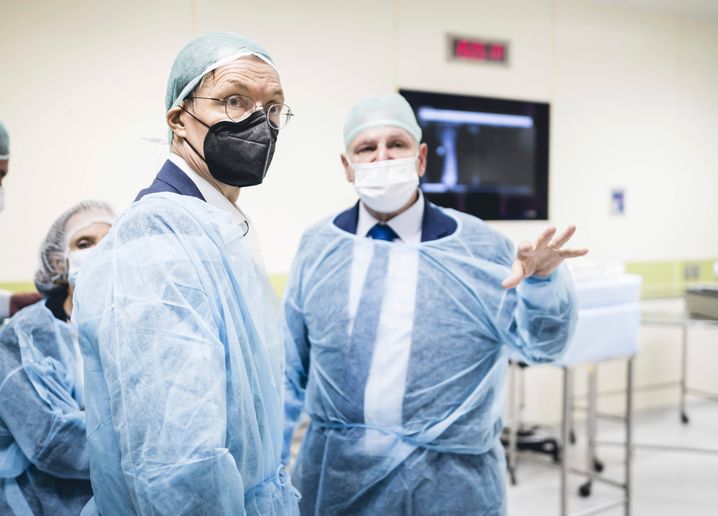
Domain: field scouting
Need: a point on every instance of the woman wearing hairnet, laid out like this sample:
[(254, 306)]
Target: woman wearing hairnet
[(44, 463), (178, 324)]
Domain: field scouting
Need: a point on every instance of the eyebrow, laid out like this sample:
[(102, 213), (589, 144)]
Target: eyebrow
[(398, 135), (238, 83), (367, 141)]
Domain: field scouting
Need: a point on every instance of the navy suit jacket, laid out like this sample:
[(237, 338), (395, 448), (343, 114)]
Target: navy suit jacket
[(435, 224), (171, 179)]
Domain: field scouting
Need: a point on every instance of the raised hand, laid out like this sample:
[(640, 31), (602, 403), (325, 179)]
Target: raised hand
[(542, 257)]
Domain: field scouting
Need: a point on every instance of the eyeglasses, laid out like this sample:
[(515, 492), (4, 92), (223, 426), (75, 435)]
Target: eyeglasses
[(239, 107)]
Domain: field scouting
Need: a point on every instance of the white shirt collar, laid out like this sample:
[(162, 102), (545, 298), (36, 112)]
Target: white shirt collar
[(407, 224), (208, 191)]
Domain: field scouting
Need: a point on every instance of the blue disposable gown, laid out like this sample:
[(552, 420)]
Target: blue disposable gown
[(434, 448), (44, 463), (182, 342)]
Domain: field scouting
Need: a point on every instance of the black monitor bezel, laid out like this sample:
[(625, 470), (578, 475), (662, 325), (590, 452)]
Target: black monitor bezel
[(539, 111)]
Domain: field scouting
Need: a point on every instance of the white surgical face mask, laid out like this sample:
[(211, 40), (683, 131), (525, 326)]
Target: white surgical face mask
[(2, 198), (75, 261), (386, 186)]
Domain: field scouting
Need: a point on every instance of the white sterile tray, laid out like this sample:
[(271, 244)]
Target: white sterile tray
[(615, 290), (604, 333)]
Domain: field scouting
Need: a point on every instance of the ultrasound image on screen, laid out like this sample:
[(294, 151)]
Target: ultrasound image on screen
[(487, 157), (475, 151)]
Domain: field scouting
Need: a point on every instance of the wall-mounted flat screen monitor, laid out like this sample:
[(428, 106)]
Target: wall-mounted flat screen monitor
[(487, 157)]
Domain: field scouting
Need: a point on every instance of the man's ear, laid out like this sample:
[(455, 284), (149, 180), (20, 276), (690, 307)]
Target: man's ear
[(175, 122), (348, 170), (423, 152)]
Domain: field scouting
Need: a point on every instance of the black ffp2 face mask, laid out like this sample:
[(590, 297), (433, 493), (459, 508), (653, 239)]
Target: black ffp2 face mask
[(239, 153)]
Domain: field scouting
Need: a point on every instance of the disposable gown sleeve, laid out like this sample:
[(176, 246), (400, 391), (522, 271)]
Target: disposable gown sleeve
[(164, 368), (544, 317), (297, 360), (48, 428)]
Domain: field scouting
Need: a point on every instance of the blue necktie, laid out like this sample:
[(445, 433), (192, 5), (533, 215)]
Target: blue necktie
[(382, 232), (363, 337)]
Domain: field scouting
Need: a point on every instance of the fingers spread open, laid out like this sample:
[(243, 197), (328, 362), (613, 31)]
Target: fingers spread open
[(572, 253), (564, 237), (545, 237)]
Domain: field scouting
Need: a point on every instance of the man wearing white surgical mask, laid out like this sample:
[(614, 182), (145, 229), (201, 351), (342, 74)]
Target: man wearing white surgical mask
[(10, 302), (400, 317), (385, 164)]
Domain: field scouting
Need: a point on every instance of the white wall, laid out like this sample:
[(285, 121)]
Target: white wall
[(634, 97), (635, 107), (84, 85), (632, 93)]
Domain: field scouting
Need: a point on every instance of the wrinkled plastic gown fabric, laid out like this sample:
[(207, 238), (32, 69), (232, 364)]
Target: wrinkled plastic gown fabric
[(44, 463), (182, 344), (426, 441)]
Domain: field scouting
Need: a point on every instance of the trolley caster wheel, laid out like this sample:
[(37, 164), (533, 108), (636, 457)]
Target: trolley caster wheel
[(572, 437), (597, 466), (585, 490), (684, 418)]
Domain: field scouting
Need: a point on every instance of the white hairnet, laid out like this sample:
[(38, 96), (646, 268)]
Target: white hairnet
[(4, 142), (52, 271), (389, 110), (204, 54)]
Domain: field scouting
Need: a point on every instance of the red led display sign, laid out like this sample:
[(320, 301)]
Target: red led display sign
[(478, 50)]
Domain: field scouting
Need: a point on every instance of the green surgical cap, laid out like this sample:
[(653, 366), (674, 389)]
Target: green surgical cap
[(4, 142), (390, 110), (204, 54)]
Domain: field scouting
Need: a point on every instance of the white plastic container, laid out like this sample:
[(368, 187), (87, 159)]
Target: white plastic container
[(609, 319)]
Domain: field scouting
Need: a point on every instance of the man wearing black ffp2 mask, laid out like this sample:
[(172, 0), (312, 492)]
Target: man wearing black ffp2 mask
[(239, 153), (190, 326), (224, 130)]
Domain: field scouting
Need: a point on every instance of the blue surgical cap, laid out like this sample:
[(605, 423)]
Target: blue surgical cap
[(390, 110), (4, 142), (204, 54)]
